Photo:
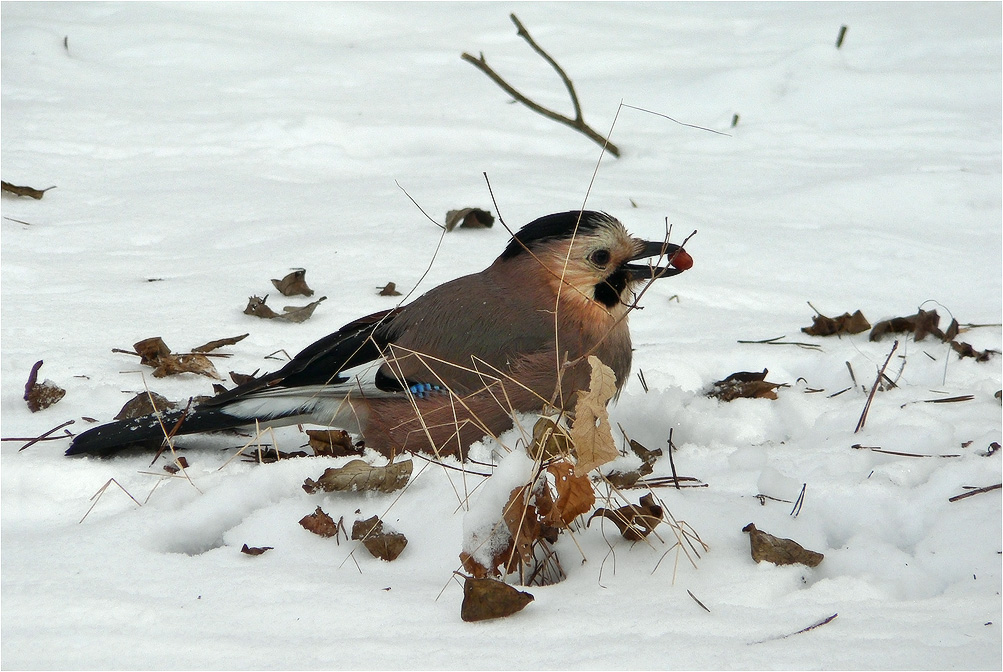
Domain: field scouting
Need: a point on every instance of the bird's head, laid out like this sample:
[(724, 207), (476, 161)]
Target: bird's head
[(605, 262)]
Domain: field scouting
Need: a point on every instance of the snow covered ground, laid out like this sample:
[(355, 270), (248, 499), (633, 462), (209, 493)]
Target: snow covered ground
[(199, 150)]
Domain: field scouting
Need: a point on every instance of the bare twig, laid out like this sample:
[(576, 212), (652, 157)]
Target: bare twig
[(800, 501), (672, 463), (776, 341), (874, 389), (698, 601), (577, 123), (976, 491), (877, 449), (42, 437)]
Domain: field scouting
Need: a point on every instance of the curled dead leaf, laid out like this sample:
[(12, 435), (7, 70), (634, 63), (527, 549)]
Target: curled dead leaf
[(30, 192), (745, 384), (635, 521), (844, 324), (384, 544), (141, 405), (319, 522), (628, 479), (779, 551), (333, 443), (41, 395), (485, 598), (359, 475), (469, 218), (255, 550), (293, 284), (575, 495), (923, 323), (591, 432), (550, 441), (256, 306), (389, 289), (219, 343), (154, 352)]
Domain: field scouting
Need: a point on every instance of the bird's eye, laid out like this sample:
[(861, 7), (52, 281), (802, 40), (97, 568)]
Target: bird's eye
[(599, 257)]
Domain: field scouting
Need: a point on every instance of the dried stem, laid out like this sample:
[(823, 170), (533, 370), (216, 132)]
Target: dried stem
[(874, 389)]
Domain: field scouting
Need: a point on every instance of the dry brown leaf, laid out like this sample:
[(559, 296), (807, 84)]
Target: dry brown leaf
[(591, 432), (140, 405), (524, 525), (627, 479), (844, 324), (745, 384), (255, 550), (155, 353), (779, 551), (358, 475), (966, 350), (219, 343), (41, 395), (384, 544), (256, 306), (389, 289), (636, 521), (485, 598), (293, 284), (320, 523), (31, 192), (575, 495), (242, 378), (921, 324), (469, 218), (333, 443), (550, 441)]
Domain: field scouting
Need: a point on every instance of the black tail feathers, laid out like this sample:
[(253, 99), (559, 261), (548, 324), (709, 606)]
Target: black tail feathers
[(148, 431)]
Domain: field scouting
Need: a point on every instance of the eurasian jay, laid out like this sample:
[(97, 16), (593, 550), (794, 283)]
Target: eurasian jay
[(452, 366)]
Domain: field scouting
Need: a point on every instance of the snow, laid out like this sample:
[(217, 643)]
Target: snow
[(201, 149)]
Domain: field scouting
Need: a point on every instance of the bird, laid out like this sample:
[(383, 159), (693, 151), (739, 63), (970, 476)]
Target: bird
[(451, 367)]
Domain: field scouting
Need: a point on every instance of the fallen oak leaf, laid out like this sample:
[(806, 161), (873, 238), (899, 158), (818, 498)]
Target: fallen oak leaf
[(590, 432), (779, 551), (550, 441), (141, 405), (745, 384), (358, 475), (254, 550), (469, 218), (219, 343), (966, 350), (31, 192), (41, 395), (293, 284), (320, 523), (389, 289), (628, 479), (300, 313), (843, 324), (333, 443), (384, 544), (920, 325), (154, 352), (635, 521), (256, 307), (486, 598), (575, 495)]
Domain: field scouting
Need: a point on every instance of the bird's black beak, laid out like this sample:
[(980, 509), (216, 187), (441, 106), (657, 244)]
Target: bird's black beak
[(678, 261)]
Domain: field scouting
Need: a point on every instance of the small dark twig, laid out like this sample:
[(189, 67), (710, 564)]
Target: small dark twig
[(672, 463), (800, 501), (42, 437), (698, 601), (842, 34), (874, 389), (577, 123), (977, 491)]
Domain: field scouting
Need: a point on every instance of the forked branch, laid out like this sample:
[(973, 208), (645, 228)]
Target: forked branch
[(577, 123)]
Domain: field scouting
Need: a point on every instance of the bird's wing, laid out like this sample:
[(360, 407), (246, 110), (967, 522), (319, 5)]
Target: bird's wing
[(323, 363)]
